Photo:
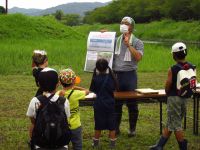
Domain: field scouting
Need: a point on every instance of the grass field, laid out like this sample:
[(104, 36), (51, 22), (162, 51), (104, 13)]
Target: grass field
[(158, 30), (17, 90), (66, 47), (15, 56)]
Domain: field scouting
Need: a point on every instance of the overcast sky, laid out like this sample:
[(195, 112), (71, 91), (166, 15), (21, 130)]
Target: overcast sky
[(42, 4)]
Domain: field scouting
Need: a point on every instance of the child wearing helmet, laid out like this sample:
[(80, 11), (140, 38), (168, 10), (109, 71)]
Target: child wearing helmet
[(68, 79), (39, 62), (176, 102), (103, 85)]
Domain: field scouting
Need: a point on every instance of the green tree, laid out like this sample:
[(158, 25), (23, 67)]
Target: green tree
[(154, 9), (195, 7), (145, 10), (2, 10), (72, 19), (98, 15), (178, 9), (113, 14), (59, 14)]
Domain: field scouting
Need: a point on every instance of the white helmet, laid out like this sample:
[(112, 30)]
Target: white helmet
[(177, 47)]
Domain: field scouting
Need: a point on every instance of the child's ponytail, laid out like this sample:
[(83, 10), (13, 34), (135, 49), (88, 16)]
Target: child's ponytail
[(92, 81), (114, 78)]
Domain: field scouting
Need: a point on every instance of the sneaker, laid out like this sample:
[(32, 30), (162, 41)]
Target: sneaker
[(131, 133)]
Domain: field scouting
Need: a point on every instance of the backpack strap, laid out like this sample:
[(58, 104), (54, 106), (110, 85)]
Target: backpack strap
[(70, 94), (61, 100), (44, 100), (189, 66), (179, 65)]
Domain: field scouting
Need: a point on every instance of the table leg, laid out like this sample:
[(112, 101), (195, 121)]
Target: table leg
[(197, 115), (160, 116), (194, 115), (185, 117)]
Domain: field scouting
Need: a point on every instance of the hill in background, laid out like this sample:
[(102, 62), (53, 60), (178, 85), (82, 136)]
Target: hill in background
[(23, 10), (69, 8), (18, 26)]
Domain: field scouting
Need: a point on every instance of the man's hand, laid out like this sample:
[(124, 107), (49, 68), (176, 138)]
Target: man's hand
[(103, 30), (126, 39), (137, 55)]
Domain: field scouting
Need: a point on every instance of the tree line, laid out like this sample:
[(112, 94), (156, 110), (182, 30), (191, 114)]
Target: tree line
[(144, 11), (141, 10), (2, 10), (68, 19)]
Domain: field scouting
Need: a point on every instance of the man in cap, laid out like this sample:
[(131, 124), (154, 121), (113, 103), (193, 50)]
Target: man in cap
[(128, 52)]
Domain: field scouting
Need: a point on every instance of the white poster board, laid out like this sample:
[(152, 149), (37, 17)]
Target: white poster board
[(99, 45)]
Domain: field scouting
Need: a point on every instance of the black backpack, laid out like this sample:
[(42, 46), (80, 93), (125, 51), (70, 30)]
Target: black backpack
[(51, 128), (186, 81)]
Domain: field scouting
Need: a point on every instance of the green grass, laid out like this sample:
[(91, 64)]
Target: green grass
[(17, 91), (15, 55), (165, 30), (159, 58), (66, 47), (170, 30), (17, 26)]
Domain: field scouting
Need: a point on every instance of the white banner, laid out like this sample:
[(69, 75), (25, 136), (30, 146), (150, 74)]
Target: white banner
[(99, 45)]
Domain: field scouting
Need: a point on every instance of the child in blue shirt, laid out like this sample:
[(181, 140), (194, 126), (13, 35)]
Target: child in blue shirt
[(103, 85)]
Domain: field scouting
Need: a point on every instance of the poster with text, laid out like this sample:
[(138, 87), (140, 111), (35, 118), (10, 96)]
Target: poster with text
[(99, 45), (93, 56)]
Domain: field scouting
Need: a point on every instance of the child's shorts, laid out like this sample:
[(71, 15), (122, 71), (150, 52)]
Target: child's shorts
[(176, 109), (104, 121)]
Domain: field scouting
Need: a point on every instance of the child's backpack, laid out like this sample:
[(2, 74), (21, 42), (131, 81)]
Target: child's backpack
[(51, 128), (186, 81)]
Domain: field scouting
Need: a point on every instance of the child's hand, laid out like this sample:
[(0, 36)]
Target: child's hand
[(87, 92), (62, 93)]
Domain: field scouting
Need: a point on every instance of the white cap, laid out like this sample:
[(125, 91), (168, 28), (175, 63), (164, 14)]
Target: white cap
[(129, 20), (48, 69), (177, 47), (41, 52)]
